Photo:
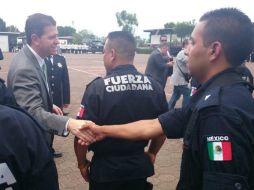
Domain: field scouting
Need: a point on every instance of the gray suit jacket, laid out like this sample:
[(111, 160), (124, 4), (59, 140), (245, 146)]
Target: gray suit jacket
[(27, 82), (158, 68)]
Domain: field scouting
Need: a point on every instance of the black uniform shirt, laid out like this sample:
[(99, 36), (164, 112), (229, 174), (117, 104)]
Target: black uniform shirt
[(25, 160), (123, 96), (58, 80), (222, 144)]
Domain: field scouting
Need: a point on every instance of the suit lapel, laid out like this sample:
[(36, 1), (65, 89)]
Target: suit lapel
[(34, 63)]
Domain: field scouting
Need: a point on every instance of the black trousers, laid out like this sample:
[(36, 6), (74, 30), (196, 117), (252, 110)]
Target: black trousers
[(138, 184)]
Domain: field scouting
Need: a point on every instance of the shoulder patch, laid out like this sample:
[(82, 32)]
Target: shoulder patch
[(82, 111), (219, 148), (93, 81)]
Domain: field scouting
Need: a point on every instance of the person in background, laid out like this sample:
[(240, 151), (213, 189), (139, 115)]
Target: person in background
[(160, 65), (180, 77), (58, 80)]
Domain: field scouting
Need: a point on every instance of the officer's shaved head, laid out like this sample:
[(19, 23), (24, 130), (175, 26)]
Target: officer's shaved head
[(123, 43), (233, 29)]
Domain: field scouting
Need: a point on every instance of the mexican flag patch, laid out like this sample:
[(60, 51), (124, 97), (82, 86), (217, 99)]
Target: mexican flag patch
[(81, 112), (220, 151)]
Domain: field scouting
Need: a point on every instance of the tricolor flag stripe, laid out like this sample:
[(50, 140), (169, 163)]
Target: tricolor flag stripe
[(81, 111), (220, 151), (227, 152)]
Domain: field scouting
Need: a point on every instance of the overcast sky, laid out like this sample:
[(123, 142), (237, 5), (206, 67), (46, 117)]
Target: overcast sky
[(99, 16)]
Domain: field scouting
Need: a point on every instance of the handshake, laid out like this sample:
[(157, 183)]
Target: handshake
[(87, 132)]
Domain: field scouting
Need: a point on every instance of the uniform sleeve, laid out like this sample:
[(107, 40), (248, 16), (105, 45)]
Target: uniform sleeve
[(225, 151), (173, 123), (66, 83), (89, 108)]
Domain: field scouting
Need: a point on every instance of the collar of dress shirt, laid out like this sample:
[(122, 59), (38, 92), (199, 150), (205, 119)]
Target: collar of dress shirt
[(39, 59), (51, 59)]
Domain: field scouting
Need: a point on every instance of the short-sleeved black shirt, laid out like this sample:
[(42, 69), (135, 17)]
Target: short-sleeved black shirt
[(222, 147), (123, 96)]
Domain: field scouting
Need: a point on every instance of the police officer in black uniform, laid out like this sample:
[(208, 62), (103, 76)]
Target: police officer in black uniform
[(124, 95), (25, 159), (58, 80), (218, 124)]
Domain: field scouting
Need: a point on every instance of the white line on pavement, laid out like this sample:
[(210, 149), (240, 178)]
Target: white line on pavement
[(82, 71)]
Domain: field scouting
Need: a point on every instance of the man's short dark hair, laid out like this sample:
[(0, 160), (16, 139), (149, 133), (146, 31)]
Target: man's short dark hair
[(36, 23), (163, 36), (124, 44), (233, 29)]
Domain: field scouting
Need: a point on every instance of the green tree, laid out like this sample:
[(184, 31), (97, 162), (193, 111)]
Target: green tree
[(66, 30), (84, 36), (181, 29), (2, 25), (87, 35), (170, 25), (184, 29), (77, 38), (12, 28), (127, 21)]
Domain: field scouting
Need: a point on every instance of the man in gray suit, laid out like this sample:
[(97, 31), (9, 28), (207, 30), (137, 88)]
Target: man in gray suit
[(27, 78)]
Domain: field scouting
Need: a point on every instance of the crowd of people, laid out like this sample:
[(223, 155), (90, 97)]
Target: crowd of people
[(121, 112)]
